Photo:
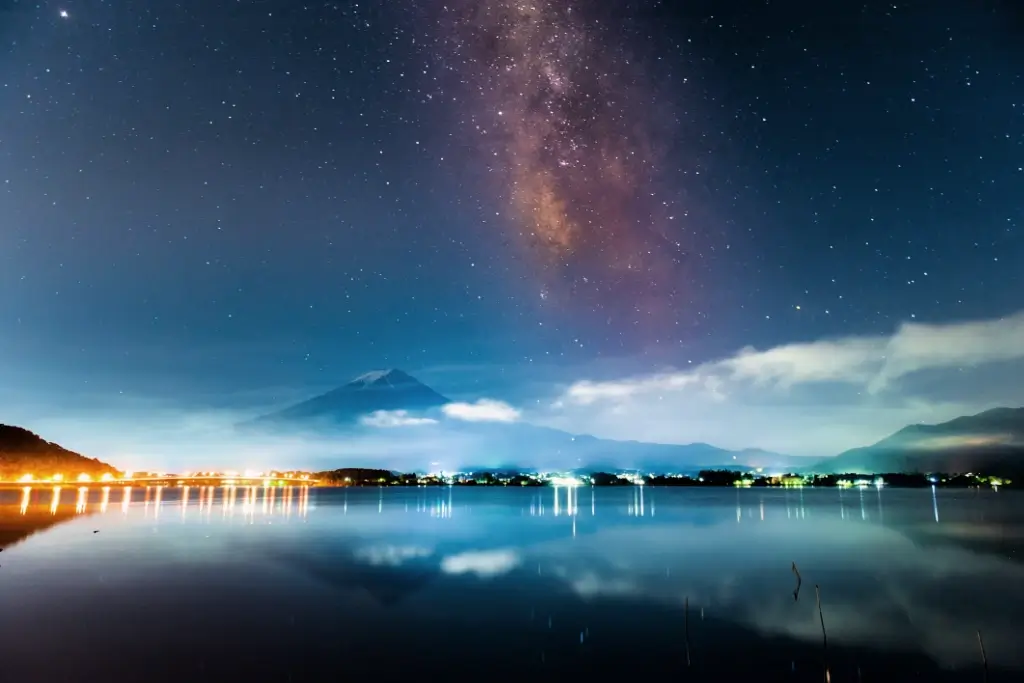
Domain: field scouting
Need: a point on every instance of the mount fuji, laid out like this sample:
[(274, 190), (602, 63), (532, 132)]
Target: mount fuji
[(387, 390)]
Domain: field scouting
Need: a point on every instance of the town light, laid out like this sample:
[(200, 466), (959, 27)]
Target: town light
[(27, 478), (84, 478)]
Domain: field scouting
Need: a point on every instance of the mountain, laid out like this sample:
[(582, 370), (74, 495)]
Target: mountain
[(438, 441), (526, 446), (378, 390), (991, 442), (22, 452)]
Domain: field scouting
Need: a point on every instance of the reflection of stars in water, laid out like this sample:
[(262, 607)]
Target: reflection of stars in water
[(543, 295)]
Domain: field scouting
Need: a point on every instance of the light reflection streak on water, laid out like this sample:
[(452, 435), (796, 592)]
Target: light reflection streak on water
[(935, 504), (156, 502), (442, 509), (863, 512), (636, 508), (249, 504), (146, 501), (298, 500), (185, 493), (842, 508)]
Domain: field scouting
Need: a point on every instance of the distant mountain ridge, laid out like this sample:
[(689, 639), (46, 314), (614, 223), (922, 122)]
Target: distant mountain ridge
[(377, 390), (510, 445), (990, 442), (23, 452)]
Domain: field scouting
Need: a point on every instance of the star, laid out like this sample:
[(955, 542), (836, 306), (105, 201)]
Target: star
[(64, 14)]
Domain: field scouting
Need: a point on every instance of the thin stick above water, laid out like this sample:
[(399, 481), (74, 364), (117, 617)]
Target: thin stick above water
[(686, 627), (824, 635), (984, 657), (799, 582)]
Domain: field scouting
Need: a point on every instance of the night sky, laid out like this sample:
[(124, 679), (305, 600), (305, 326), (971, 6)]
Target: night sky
[(212, 207)]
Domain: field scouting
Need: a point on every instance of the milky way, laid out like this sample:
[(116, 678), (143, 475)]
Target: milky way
[(570, 128)]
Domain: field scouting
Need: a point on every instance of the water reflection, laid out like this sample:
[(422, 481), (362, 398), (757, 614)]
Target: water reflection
[(436, 569)]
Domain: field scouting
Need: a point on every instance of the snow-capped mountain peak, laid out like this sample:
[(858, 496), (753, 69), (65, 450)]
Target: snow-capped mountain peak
[(382, 378)]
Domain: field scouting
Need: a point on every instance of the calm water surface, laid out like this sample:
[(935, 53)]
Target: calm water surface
[(495, 584)]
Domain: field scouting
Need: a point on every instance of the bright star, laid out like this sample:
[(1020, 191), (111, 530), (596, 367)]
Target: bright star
[(64, 14)]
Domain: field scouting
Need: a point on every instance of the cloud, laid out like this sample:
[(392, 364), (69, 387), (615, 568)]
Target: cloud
[(872, 362), (394, 418), (483, 563), (391, 555), (815, 398), (917, 347), (484, 410)]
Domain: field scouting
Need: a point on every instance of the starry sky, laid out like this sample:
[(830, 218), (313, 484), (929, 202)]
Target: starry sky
[(222, 206)]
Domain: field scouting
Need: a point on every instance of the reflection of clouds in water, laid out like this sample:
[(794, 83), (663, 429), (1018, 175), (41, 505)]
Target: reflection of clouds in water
[(483, 563), (391, 555), (877, 587)]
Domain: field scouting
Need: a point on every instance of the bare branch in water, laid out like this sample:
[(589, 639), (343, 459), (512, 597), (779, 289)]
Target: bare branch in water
[(824, 635), (686, 627), (799, 582), (984, 657)]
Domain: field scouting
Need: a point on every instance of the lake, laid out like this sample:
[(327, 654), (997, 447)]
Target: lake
[(508, 584)]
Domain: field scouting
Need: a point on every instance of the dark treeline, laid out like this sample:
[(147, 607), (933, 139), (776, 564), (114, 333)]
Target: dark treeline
[(354, 476), (376, 477), (896, 479)]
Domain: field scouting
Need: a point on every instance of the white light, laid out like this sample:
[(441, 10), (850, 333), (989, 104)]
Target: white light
[(564, 481), (64, 14)]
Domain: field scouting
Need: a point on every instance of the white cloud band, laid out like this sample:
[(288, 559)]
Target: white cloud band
[(484, 410), (394, 418)]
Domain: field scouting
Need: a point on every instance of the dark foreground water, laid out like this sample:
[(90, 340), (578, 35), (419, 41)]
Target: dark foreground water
[(494, 584)]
